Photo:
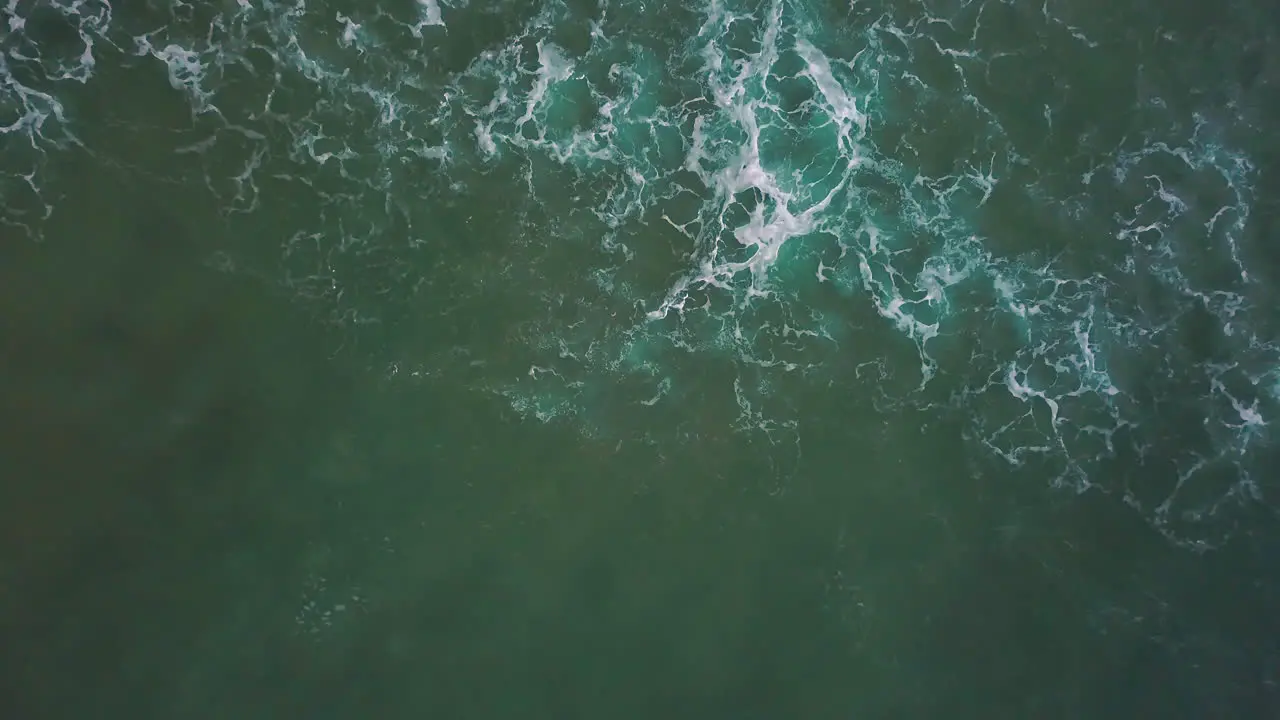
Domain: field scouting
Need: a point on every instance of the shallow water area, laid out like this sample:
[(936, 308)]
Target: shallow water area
[(731, 358)]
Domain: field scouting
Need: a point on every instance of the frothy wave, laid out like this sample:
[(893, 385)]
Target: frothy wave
[(701, 212)]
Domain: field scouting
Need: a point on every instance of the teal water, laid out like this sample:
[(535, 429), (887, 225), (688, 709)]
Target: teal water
[(759, 359)]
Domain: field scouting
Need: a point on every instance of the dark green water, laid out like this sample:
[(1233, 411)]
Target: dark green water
[(727, 359)]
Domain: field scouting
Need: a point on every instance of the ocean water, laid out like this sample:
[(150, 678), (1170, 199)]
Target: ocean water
[(627, 358)]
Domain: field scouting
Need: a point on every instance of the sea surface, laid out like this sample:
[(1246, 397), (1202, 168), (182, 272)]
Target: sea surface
[(612, 359)]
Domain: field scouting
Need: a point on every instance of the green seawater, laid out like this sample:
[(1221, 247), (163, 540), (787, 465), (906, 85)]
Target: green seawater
[(772, 359)]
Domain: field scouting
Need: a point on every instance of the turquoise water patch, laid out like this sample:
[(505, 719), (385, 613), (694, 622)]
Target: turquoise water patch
[(882, 259)]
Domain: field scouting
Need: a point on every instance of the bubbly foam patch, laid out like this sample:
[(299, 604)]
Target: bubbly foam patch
[(701, 211)]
